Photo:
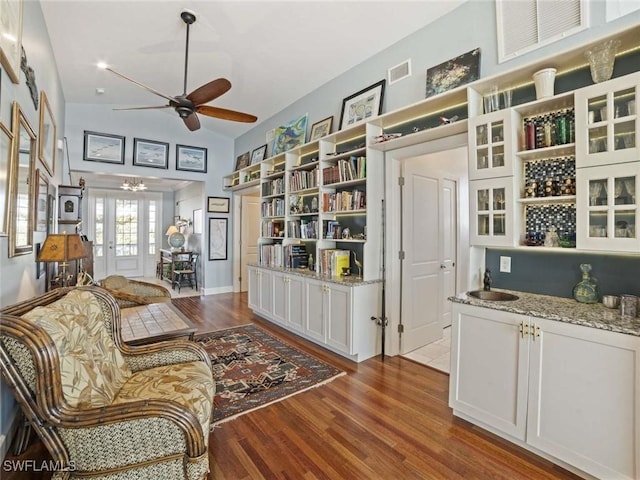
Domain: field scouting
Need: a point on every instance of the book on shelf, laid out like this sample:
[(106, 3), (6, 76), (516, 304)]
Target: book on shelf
[(353, 168), (296, 256), (334, 262), (344, 201), (272, 255)]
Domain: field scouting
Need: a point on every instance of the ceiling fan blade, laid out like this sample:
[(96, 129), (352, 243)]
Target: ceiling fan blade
[(226, 114), (209, 91), (142, 108), (192, 122), (152, 90)]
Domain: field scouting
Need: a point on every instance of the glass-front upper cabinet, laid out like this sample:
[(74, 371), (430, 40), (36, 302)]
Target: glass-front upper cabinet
[(609, 207), (607, 128), (490, 145), (492, 212)]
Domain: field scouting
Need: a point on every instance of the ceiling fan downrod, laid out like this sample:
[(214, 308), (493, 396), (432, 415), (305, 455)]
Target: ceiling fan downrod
[(188, 17)]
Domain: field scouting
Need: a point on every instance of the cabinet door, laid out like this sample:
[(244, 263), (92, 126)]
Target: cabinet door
[(608, 207), (266, 291), (489, 364), (490, 145), (338, 318), (254, 289), (280, 295), (295, 303), (584, 406), (314, 319), (492, 212), (607, 128)]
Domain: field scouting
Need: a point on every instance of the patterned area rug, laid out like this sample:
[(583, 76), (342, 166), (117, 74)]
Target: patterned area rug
[(253, 369)]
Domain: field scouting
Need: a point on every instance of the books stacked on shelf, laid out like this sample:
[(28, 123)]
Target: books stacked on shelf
[(303, 179), (303, 228), (273, 208), (344, 201), (271, 255), (334, 262), (353, 168), (272, 228), (296, 256), (333, 230), (273, 187)]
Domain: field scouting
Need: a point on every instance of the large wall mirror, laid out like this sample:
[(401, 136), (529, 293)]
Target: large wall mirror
[(6, 142), (20, 205)]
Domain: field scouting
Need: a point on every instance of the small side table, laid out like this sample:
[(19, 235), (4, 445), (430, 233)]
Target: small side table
[(153, 323)]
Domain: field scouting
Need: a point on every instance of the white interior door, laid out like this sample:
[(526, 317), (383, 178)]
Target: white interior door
[(250, 231), (429, 241)]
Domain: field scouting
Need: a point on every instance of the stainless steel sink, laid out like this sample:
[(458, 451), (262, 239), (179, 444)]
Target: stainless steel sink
[(492, 295)]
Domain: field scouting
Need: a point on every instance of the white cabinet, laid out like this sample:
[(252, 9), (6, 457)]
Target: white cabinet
[(288, 300), (565, 390), (491, 140), (492, 211), (329, 314), (607, 127), (260, 290), (608, 207)]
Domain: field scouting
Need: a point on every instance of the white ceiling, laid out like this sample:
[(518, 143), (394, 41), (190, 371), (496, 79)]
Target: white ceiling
[(273, 52)]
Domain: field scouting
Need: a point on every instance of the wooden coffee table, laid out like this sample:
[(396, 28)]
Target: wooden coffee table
[(153, 323)]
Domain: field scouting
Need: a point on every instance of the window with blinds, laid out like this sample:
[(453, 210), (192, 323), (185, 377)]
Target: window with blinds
[(525, 25)]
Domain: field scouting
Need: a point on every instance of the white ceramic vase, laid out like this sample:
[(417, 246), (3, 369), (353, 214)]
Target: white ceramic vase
[(544, 81)]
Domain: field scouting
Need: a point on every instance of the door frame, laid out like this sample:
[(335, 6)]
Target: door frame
[(393, 228), (237, 229)]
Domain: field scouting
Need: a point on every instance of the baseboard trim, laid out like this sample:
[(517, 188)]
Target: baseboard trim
[(217, 290)]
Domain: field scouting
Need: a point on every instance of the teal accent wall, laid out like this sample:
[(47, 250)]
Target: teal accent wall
[(555, 273)]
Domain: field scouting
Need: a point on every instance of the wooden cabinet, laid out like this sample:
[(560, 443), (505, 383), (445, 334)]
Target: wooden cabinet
[(609, 207), (550, 386), (607, 127)]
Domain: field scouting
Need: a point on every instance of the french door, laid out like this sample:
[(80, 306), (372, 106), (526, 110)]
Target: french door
[(126, 232)]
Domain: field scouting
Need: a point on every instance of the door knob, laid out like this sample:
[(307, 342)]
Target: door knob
[(443, 266)]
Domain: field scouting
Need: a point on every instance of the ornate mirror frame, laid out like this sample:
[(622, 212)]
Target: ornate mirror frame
[(21, 185)]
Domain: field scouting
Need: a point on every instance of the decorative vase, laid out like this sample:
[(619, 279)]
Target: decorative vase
[(544, 81), (601, 58), (586, 291)]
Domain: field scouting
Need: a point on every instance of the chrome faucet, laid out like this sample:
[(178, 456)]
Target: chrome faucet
[(487, 280)]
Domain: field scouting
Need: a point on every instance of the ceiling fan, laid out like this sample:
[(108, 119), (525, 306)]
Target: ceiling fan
[(188, 106)]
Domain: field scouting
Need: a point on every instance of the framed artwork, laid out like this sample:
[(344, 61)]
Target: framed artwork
[(321, 129), (47, 136), (192, 159), (242, 161), (39, 265), (258, 154), (217, 204), (41, 199), (362, 105), (290, 135), (6, 139), (149, 153), (69, 208), (217, 238), (453, 73), (103, 147), (197, 221), (11, 38)]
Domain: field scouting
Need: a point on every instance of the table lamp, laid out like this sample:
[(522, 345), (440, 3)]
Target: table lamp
[(62, 247)]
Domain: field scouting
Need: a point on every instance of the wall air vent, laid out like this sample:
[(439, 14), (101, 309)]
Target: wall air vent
[(399, 72)]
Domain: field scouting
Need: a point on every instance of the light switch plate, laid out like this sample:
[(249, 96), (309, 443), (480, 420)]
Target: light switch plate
[(505, 264)]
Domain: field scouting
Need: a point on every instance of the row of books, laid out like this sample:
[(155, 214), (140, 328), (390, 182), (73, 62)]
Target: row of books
[(333, 262), (280, 256), (272, 228), (344, 201), (303, 228), (273, 208), (273, 187), (271, 255), (353, 168), (303, 179)]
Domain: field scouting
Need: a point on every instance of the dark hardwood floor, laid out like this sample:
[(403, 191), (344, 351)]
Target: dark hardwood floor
[(382, 420)]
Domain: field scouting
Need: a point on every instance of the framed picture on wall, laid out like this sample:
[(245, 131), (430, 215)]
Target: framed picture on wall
[(217, 204), (103, 147), (192, 159), (217, 238), (47, 135), (362, 105), (258, 154), (149, 153)]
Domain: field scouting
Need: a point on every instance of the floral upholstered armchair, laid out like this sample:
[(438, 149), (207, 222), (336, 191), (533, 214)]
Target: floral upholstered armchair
[(131, 293), (104, 409)]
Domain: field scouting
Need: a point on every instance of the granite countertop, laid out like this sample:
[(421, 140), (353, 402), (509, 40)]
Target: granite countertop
[(351, 280), (561, 309)]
